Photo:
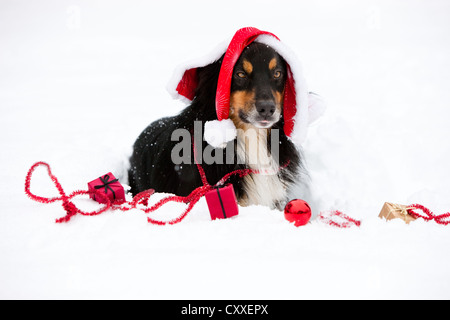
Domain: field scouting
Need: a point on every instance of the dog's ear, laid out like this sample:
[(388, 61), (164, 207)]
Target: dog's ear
[(187, 83)]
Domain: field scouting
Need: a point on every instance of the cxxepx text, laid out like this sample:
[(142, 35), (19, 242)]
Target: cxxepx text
[(231, 309)]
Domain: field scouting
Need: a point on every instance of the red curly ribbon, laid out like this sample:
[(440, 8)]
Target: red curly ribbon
[(347, 222), (427, 215), (70, 208), (141, 198), (195, 195)]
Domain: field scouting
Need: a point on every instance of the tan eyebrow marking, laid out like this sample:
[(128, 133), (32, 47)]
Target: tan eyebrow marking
[(273, 63), (248, 67)]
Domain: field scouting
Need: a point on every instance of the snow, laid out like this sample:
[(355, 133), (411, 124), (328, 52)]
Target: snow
[(79, 80)]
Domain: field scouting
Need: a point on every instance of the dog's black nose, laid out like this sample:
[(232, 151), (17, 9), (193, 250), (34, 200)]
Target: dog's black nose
[(265, 108)]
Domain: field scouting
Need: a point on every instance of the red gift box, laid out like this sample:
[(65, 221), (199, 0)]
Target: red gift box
[(222, 202), (109, 186)]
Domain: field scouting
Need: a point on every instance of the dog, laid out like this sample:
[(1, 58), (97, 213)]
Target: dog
[(256, 106)]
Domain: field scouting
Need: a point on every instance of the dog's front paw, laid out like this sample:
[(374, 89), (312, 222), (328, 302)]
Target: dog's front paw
[(279, 205)]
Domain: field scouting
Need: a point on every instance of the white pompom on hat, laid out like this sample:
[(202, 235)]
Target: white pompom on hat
[(300, 107)]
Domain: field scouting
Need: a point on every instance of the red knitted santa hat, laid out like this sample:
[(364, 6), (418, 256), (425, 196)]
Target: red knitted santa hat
[(300, 107)]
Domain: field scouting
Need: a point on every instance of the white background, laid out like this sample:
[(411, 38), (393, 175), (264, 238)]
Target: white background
[(79, 80)]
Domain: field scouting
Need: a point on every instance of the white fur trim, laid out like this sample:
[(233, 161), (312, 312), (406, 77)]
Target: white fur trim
[(179, 71), (219, 133)]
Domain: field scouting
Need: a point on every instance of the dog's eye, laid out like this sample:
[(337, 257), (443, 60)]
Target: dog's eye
[(277, 74), (241, 75)]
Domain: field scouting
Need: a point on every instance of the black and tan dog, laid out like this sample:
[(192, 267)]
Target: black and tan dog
[(256, 105)]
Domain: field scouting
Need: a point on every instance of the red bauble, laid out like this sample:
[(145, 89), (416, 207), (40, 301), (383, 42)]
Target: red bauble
[(297, 211)]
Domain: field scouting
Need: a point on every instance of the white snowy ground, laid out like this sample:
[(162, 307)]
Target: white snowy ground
[(79, 80)]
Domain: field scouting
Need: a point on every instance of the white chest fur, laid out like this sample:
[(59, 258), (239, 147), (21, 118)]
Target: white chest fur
[(264, 188)]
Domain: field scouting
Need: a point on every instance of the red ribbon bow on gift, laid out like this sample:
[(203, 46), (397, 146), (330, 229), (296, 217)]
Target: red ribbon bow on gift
[(106, 184)]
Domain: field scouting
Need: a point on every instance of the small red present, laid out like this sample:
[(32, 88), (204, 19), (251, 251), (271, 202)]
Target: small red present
[(222, 202), (109, 186)]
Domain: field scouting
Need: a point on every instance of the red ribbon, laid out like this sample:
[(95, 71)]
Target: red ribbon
[(70, 208), (194, 196), (428, 215), (141, 198), (346, 223)]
